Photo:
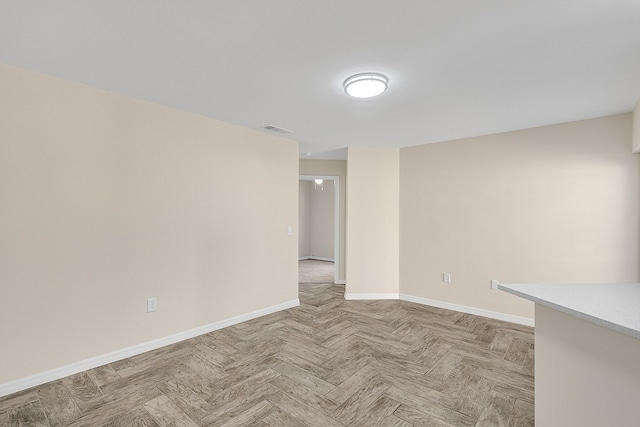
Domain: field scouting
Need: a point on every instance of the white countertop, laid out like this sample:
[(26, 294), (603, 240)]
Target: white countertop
[(614, 306)]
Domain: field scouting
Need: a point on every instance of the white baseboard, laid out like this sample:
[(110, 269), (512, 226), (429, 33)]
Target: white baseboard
[(341, 282), (319, 258), (470, 310), (316, 258), (94, 362), (370, 296)]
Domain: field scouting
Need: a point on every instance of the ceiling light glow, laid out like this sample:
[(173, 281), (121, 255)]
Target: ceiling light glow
[(365, 85)]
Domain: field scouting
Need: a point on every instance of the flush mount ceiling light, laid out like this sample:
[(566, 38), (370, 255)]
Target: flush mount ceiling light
[(365, 85)]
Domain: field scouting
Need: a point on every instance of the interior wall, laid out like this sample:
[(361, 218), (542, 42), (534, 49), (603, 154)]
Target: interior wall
[(586, 375), (333, 168), (108, 200), (304, 218), (550, 204), (373, 222), (322, 218), (635, 144)]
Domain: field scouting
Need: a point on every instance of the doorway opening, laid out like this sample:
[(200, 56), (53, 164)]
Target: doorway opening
[(319, 226)]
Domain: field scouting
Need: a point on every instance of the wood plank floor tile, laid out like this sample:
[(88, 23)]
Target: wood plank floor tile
[(29, 414), (352, 384), (474, 396), (437, 408), (159, 361), (515, 392), (18, 399), (304, 378), (379, 413), (167, 414), (247, 387), (202, 386), (252, 416), (416, 417), (115, 404), (212, 355), (523, 415), (529, 366), (327, 362), (501, 341), (280, 418), (58, 404), (185, 398), (204, 367), (138, 417), (245, 371), (218, 345), (103, 375), (233, 405), (121, 364), (359, 401), (518, 351), (497, 412), (444, 366), (299, 410), (82, 387), (303, 394)]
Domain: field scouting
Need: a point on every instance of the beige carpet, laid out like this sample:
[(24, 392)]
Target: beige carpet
[(312, 271)]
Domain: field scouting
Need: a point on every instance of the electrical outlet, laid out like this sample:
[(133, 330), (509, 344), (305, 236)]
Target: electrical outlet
[(446, 277), (152, 304), (494, 284)]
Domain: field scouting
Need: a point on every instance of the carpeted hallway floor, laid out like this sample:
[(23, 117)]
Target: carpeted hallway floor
[(313, 271)]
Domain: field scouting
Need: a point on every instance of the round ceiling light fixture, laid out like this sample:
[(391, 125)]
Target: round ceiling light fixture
[(365, 85)]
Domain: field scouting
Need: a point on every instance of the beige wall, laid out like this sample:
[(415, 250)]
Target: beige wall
[(372, 221), (635, 144), (304, 218), (550, 204), (586, 375), (107, 200), (333, 168)]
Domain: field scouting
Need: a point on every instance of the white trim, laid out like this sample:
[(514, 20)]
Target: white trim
[(336, 229), (319, 258), (370, 296), (94, 362), (470, 310), (316, 258), (341, 282)]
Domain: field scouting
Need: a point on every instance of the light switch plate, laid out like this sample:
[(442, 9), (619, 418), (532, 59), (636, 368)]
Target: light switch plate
[(152, 304)]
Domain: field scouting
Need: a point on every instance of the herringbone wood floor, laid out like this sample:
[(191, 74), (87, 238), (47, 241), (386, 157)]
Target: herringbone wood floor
[(328, 362)]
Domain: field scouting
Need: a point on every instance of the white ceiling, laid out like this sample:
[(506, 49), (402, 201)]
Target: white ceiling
[(457, 68)]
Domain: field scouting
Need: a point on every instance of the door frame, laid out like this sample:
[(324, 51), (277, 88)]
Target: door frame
[(336, 219)]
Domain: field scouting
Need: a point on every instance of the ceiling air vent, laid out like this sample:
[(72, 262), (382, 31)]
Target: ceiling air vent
[(276, 129)]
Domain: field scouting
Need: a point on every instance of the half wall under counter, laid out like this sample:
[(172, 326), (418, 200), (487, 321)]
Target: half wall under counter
[(587, 353)]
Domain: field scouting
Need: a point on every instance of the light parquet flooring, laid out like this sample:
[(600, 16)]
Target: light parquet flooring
[(328, 362)]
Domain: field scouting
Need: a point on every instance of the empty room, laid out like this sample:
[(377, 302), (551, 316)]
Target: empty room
[(286, 213)]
